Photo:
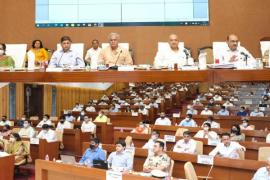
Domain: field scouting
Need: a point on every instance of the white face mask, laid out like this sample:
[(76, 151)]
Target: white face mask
[(25, 125), (206, 128), (2, 52), (12, 139)]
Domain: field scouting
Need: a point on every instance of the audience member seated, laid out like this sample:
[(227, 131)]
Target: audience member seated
[(6, 131), (113, 108), (185, 145), (66, 57), (63, 124), (227, 148), (211, 121), (21, 120), (90, 108), (4, 121), (256, 113), (16, 147), (119, 160), (101, 117), (263, 173), (191, 110), (236, 134), (246, 126), (217, 97), (69, 117), (228, 104), (268, 138), (163, 120), (223, 111), (207, 133), (45, 120), (27, 131), (141, 129), (47, 133), (211, 103), (5, 61), (94, 152), (142, 110), (159, 160), (77, 107), (88, 125), (233, 99), (188, 122), (242, 111), (102, 103), (150, 143), (207, 111)]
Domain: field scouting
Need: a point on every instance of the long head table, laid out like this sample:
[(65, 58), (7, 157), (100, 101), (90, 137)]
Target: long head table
[(210, 76)]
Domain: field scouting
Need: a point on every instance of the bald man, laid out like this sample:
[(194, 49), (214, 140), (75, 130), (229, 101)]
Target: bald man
[(114, 54), (172, 55), (234, 53), (263, 173)]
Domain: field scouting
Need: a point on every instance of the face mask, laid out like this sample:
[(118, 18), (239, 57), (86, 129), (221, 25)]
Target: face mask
[(206, 109), (206, 128), (154, 137), (62, 121), (12, 139), (92, 146), (25, 125), (1, 52), (234, 131), (162, 117), (23, 119), (82, 114), (245, 124), (44, 119), (256, 110), (188, 119), (141, 126)]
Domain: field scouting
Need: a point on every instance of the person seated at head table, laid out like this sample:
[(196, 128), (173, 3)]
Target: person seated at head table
[(88, 125), (227, 148), (66, 57), (90, 108), (217, 97), (207, 133), (120, 160), (27, 131), (207, 111), (101, 117), (41, 54), (114, 54), (63, 124), (16, 147), (45, 120), (6, 131), (185, 145), (94, 152), (211, 121), (236, 134), (228, 104), (92, 54), (5, 61), (141, 129), (188, 121), (5, 121), (163, 120), (159, 160), (223, 111), (191, 110), (173, 55), (245, 125), (47, 133), (242, 111), (263, 173), (257, 113), (77, 107), (234, 53)]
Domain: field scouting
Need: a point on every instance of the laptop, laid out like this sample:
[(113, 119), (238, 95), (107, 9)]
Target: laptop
[(68, 159), (100, 164)]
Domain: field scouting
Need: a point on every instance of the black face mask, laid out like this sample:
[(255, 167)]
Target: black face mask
[(62, 122), (5, 130), (92, 147), (234, 131)]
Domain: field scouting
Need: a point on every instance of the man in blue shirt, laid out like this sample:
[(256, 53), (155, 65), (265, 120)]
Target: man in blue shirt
[(242, 112), (94, 152)]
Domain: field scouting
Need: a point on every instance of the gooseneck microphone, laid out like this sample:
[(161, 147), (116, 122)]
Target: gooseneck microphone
[(115, 67)]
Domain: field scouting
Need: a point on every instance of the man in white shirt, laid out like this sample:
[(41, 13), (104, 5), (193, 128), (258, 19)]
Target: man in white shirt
[(45, 120), (234, 53), (27, 131), (256, 113), (88, 125), (171, 56), (77, 107), (211, 121), (63, 124), (4, 121), (90, 108), (217, 97), (227, 148), (150, 143), (185, 145), (163, 120), (191, 110), (207, 133), (223, 111), (228, 104), (263, 173), (92, 54), (207, 111), (47, 133)]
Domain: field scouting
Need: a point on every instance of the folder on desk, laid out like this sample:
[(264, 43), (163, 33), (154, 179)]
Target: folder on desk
[(221, 66)]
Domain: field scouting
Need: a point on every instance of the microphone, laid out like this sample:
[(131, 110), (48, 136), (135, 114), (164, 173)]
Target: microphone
[(115, 67), (187, 56), (244, 54)]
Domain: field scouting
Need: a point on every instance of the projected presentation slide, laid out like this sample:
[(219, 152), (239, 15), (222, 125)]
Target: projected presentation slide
[(88, 13)]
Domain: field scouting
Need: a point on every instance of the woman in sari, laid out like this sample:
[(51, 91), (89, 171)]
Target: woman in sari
[(5, 61)]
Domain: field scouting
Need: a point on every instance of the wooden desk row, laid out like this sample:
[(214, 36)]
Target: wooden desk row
[(7, 167), (140, 139), (224, 169), (210, 76)]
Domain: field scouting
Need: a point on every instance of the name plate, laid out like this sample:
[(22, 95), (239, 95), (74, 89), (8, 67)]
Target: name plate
[(113, 175), (169, 138), (134, 114), (54, 69), (34, 141), (125, 68), (189, 68), (205, 159), (213, 142), (176, 115)]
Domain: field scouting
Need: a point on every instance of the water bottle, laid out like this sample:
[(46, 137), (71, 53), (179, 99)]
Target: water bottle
[(47, 158), (202, 61)]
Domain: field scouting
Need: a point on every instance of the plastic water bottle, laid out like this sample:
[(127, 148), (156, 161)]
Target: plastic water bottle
[(47, 158), (202, 61)]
